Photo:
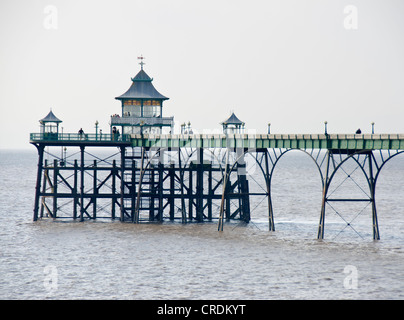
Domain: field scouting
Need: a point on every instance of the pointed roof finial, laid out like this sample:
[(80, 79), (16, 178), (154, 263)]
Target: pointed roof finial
[(141, 61)]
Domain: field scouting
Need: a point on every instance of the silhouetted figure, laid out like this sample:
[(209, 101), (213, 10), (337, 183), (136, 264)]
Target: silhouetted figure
[(114, 135), (358, 131)]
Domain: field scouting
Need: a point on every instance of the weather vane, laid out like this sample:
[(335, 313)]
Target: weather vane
[(141, 61)]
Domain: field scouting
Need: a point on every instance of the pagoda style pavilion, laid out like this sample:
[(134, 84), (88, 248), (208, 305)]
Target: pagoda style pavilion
[(142, 108), (50, 126), (233, 125)]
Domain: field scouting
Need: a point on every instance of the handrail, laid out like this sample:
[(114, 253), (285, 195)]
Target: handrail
[(302, 141), (73, 137)]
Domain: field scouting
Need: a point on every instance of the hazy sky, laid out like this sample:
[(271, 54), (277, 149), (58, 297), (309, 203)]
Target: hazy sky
[(293, 63)]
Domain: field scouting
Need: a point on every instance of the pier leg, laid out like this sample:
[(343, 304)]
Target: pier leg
[(190, 197), (210, 193), (245, 199), (75, 196), (225, 178), (55, 187), (142, 169), (375, 224), (133, 191), (160, 191), (122, 212), (153, 192), (227, 199), (199, 185), (320, 234), (40, 149), (271, 223), (82, 183), (95, 190), (172, 186), (45, 177), (243, 189), (113, 191), (181, 174)]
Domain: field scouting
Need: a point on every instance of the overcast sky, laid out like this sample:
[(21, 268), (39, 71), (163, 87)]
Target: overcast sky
[(292, 63)]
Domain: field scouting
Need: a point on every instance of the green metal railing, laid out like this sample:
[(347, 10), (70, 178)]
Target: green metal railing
[(76, 137), (294, 141)]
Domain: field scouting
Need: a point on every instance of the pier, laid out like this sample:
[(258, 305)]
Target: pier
[(152, 176)]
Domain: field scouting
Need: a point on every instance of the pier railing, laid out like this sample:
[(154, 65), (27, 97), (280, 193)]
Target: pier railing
[(76, 137), (255, 141), (288, 141)]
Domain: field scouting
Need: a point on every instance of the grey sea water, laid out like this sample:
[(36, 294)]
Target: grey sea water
[(111, 260)]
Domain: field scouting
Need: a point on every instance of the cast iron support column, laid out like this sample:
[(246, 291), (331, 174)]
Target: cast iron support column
[(122, 213), (172, 186), (133, 191), (242, 183), (320, 234), (375, 225), (210, 193), (95, 190), (181, 174), (152, 193), (225, 178), (142, 170), (55, 187), (113, 191), (160, 191), (81, 183), (190, 196), (228, 191), (271, 222), (75, 196), (40, 149), (45, 178), (199, 185)]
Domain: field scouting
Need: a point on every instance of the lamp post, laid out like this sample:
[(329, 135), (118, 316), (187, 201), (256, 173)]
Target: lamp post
[(373, 127), (269, 128), (96, 129), (64, 158), (325, 127)]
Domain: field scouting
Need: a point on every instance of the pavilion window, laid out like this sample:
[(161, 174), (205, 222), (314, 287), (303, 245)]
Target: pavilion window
[(50, 129), (152, 130), (131, 130), (147, 111), (131, 111), (156, 111)]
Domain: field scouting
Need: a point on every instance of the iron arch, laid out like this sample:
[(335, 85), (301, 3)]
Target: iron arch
[(267, 177), (384, 162)]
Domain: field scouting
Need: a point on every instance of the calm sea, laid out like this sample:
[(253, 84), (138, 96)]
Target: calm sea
[(112, 260)]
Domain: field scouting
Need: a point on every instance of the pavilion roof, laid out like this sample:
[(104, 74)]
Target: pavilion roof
[(50, 118), (233, 120), (142, 88)]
